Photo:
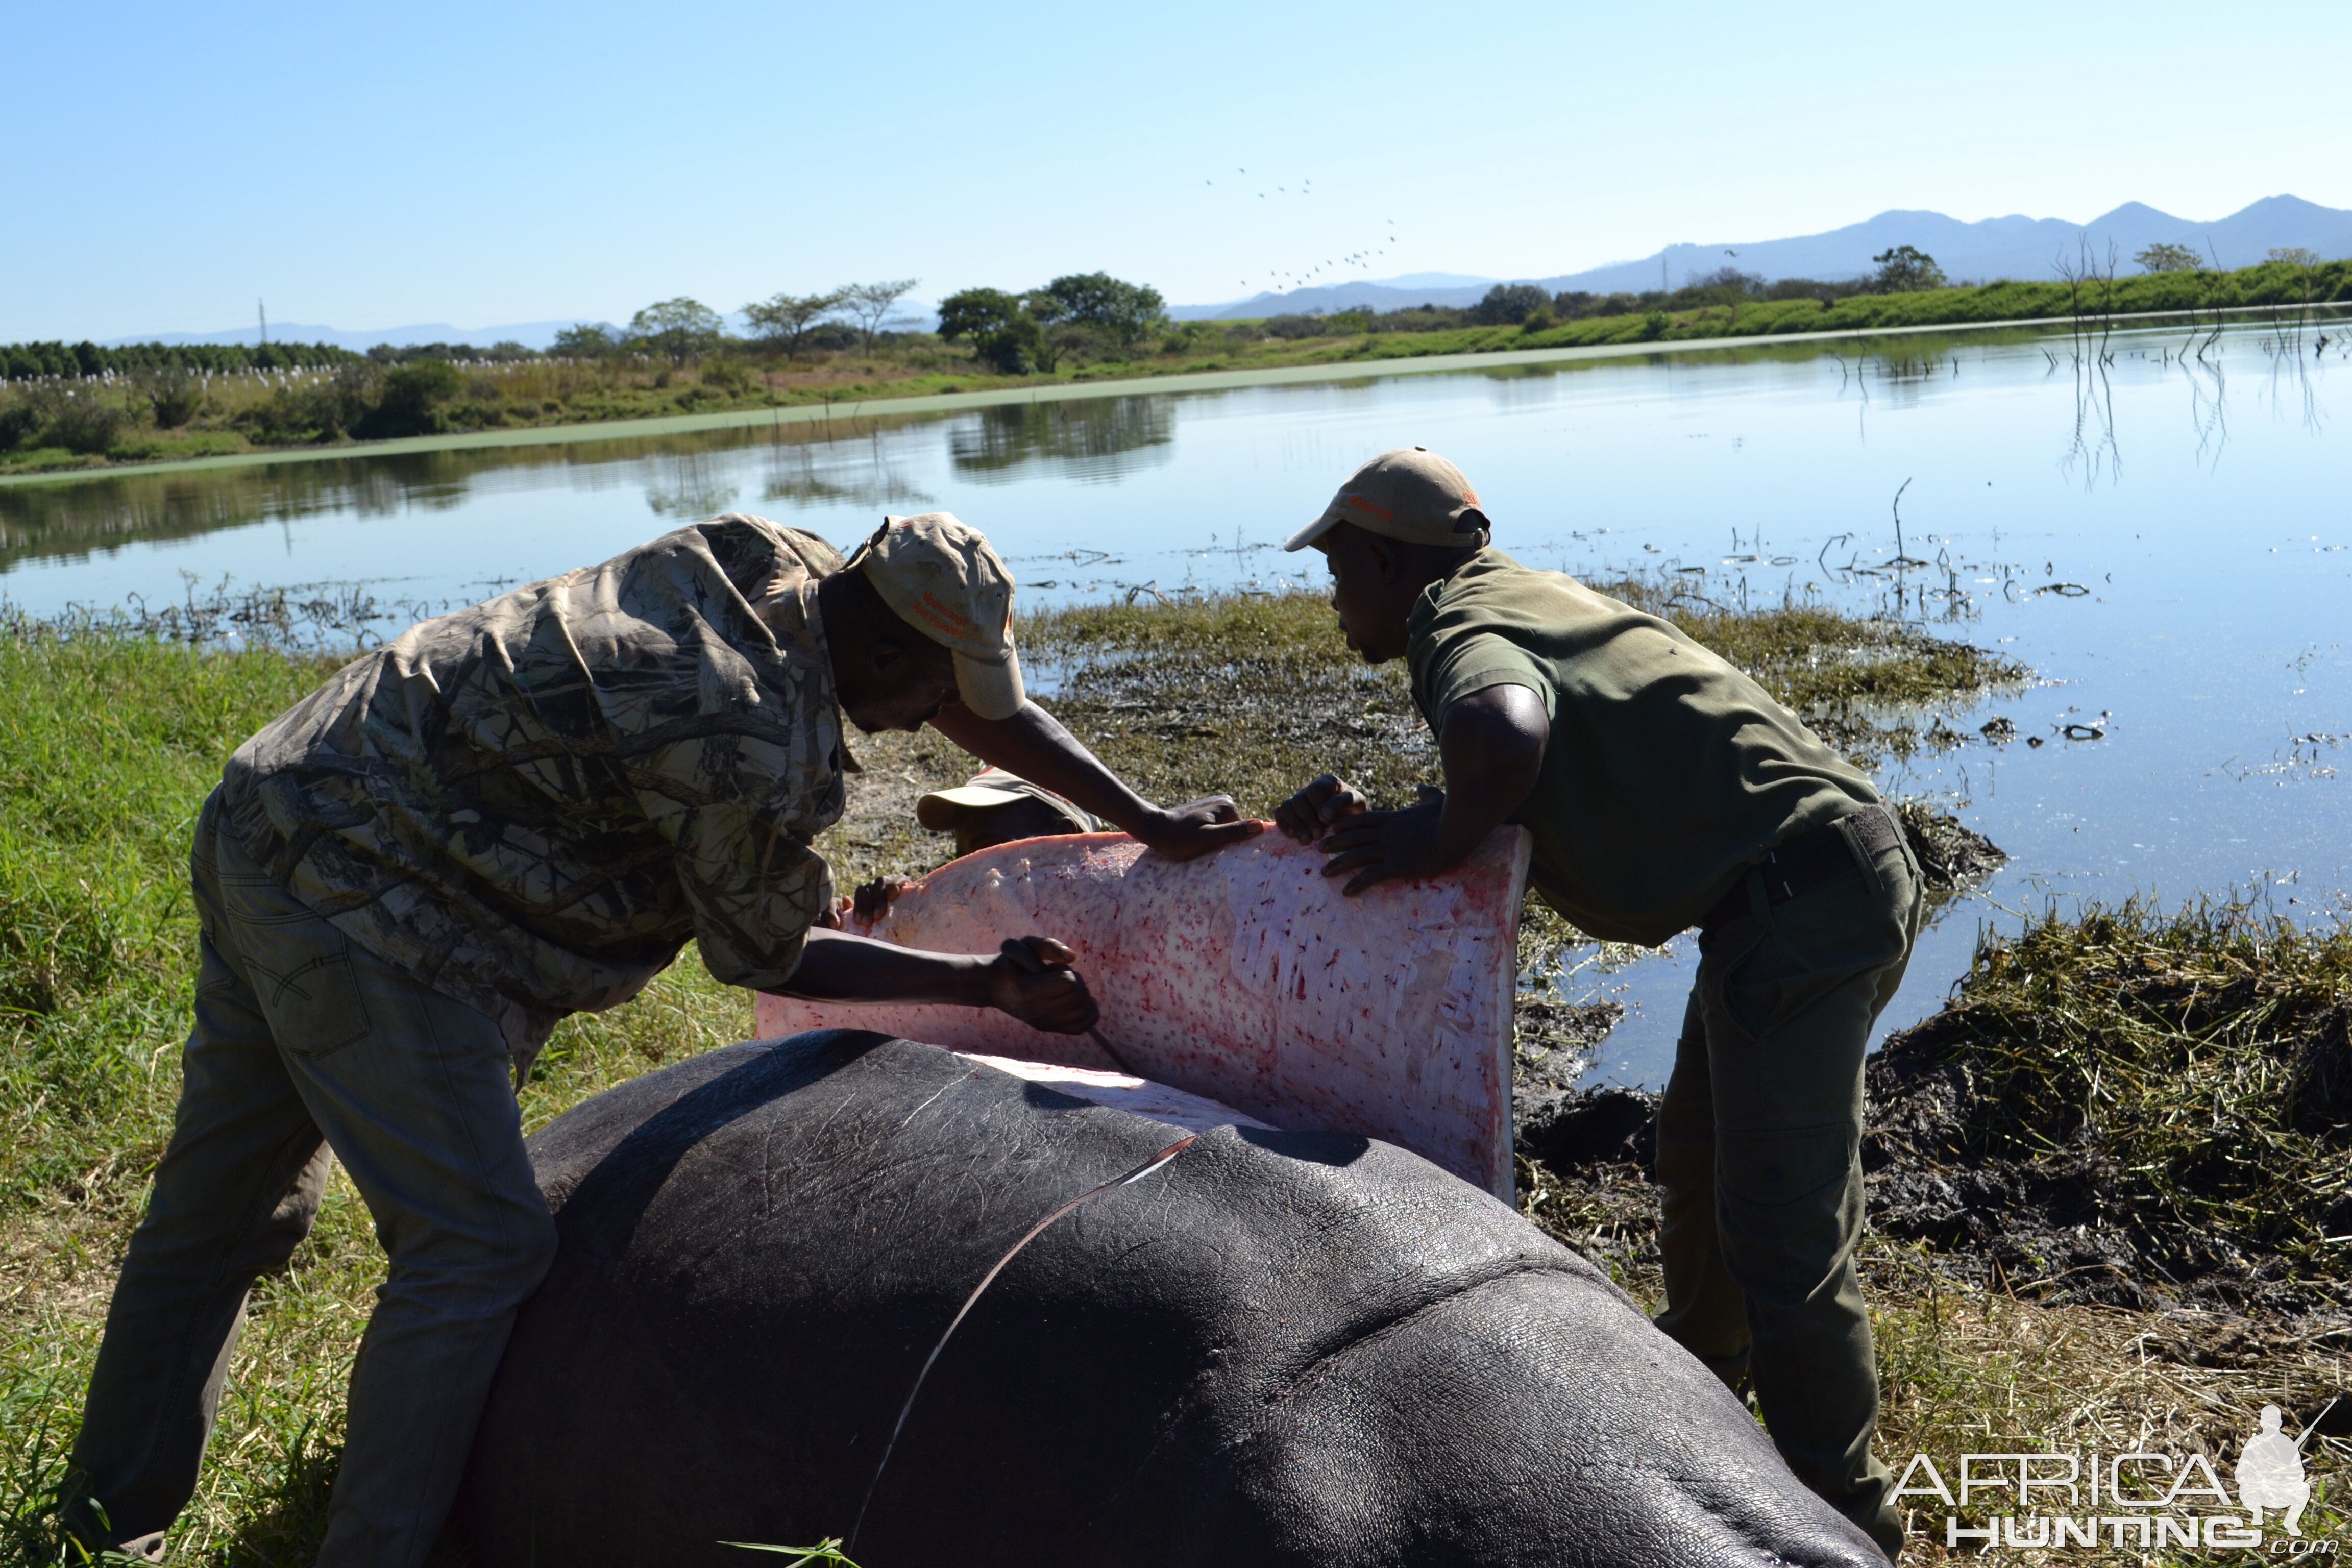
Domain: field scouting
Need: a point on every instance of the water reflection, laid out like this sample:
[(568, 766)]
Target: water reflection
[(1093, 442), (894, 462), (869, 474), (689, 486)]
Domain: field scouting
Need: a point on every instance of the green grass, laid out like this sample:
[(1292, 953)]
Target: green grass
[(108, 747)]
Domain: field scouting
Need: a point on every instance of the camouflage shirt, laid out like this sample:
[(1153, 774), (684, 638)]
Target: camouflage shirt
[(531, 804)]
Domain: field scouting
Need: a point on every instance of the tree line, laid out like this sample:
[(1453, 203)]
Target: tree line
[(1081, 314), (31, 362), (684, 329), (678, 329), (1899, 270)]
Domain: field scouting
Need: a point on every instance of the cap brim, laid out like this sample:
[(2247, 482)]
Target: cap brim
[(991, 688), (1313, 531), (938, 811)]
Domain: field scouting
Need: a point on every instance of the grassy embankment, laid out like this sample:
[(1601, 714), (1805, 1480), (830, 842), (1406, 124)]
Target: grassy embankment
[(108, 745), (283, 408), (2108, 1200)]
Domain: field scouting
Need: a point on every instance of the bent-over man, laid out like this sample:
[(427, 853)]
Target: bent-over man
[(512, 813), (1664, 789)]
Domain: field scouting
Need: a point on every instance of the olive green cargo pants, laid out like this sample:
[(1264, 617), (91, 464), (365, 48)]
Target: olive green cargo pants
[(1759, 1157), (305, 1041)]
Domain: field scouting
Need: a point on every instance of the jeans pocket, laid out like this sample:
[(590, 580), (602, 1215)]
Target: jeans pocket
[(302, 974)]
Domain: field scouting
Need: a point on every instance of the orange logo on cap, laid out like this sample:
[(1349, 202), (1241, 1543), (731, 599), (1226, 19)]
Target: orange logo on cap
[(1360, 504), (941, 616), (1469, 495)]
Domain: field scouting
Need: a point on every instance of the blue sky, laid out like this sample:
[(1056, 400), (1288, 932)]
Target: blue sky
[(482, 164)]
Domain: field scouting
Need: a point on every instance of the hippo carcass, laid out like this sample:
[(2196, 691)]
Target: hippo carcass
[(1280, 1348)]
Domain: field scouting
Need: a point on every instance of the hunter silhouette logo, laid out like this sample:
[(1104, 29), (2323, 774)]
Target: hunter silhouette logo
[(2269, 1473), (2049, 1501)]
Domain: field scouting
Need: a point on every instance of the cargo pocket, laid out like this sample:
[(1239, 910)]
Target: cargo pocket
[(301, 973), (1789, 1202), (1749, 981)]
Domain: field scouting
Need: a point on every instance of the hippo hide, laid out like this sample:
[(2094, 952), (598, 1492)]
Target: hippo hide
[(1282, 1348)]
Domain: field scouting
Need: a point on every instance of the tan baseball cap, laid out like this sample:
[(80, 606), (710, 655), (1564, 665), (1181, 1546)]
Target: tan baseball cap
[(986, 790), (941, 578), (1411, 494)]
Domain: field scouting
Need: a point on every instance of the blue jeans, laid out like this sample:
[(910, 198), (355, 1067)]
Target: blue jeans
[(305, 1043)]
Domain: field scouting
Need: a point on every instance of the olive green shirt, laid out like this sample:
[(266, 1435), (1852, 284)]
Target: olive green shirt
[(1669, 772), (529, 806)]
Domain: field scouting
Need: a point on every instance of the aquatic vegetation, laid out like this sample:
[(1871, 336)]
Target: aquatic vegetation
[(2126, 1105), (1255, 694)]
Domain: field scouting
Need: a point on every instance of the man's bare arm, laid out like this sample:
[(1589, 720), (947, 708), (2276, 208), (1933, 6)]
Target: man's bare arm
[(836, 966), (1033, 744), (1493, 748)]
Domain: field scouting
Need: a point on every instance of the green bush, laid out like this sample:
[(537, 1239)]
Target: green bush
[(79, 420), (174, 391), (1508, 304), (731, 376), (1005, 336), (20, 422), (1290, 328), (412, 399), (329, 409)]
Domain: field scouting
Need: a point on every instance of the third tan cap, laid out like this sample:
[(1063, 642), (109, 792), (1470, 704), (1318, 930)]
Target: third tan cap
[(991, 787), (1411, 494), (941, 577)]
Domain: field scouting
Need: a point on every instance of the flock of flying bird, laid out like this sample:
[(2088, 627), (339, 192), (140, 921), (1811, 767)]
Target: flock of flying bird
[(1281, 277)]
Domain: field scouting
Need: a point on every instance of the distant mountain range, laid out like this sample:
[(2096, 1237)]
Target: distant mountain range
[(531, 334), (2020, 247)]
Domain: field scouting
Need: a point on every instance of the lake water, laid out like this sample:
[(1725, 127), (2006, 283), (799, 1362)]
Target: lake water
[(2166, 538)]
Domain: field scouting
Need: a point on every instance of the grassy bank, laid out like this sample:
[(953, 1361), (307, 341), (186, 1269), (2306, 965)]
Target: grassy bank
[(2107, 1197), (109, 743), (2124, 1106), (101, 422)]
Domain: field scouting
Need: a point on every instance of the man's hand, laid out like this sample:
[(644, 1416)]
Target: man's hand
[(1388, 845), (873, 899), (1492, 742), (1310, 814), (1032, 980), (1188, 832)]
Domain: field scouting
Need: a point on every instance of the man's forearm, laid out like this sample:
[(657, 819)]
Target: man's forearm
[(1033, 744), (836, 966)]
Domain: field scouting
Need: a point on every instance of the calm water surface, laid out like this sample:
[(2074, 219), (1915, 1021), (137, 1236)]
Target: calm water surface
[(2193, 512)]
